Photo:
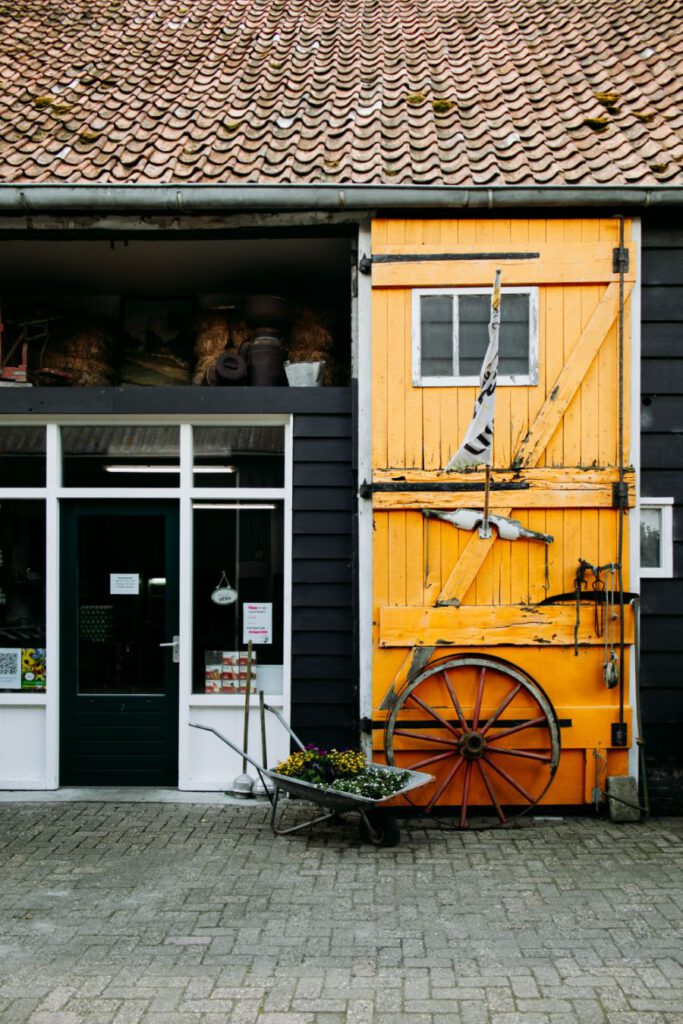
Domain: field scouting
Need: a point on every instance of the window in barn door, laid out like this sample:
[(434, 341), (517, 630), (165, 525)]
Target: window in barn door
[(450, 336)]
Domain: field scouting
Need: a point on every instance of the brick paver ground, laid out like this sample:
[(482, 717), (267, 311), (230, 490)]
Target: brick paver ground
[(119, 913)]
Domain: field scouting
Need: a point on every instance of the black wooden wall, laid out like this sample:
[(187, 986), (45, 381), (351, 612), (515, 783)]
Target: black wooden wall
[(324, 634), (662, 476)]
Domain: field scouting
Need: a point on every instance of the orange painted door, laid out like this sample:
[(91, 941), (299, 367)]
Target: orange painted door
[(443, 595)]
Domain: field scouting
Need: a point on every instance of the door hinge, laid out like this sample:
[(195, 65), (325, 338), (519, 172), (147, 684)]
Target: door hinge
[(365, 265), (620, 494), (620, 261)]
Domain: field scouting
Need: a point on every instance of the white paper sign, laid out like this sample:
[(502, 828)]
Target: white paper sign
[(124, 583), (10, 668), (257, 618)]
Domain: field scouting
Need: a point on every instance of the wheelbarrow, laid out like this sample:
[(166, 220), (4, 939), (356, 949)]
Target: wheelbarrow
[(377, 825)]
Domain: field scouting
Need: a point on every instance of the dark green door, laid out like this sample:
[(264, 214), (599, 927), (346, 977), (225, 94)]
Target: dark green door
[(119, 687)]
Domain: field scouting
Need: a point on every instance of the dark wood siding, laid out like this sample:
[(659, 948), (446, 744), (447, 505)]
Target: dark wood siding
[(662, 476), (324, 635)]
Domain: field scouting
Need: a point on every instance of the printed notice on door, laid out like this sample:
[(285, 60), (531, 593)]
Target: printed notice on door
[(124, 583), (257, 621), (10, 668)]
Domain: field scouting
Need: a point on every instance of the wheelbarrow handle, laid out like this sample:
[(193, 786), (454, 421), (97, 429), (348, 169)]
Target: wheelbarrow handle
[(233, 746), (284, 724)]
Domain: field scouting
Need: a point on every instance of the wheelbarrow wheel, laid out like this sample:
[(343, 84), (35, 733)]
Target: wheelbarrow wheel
[(484, 728), (383, 831)]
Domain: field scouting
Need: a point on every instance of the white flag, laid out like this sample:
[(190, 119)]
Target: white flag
[(477, 448)]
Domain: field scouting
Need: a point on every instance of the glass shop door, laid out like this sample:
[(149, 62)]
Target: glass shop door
[(119, 658)]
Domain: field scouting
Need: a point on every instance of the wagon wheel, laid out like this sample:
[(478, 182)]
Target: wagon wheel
[(483, 728)]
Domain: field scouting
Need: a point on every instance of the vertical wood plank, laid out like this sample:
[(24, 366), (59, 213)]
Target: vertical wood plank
[(413, 397), (553, 362), (380, 317), (397, 558), (395, 419)]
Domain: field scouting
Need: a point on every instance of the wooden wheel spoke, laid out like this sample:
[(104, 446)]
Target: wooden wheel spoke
[(465, 795), (518, 728), (546, 758), (431, 760), (435, 715), (480, 694), (446, 782), (456, 702), (501, 708), (424, 738), (491, 792), (513, 782)]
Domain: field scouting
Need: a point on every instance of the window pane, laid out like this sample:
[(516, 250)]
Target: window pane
[(128, 456), (474, 317), (22, 595), (650, 538), (239, 456), (436, 335), (238, 595), (22, 456), (474, 312)]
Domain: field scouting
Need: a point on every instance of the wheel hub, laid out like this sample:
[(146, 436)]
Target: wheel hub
[(472, 745)]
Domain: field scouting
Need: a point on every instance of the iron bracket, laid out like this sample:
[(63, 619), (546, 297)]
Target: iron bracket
[(620, 494), (619, 734), (620, 261)]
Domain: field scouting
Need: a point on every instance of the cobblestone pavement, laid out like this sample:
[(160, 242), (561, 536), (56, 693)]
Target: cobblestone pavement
[(118, 913)]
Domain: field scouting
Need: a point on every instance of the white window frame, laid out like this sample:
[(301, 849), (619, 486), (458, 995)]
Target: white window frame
[(512, 380), (665, 569)]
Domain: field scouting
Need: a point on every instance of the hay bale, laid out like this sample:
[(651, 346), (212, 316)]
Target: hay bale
[(200, 368), (240, 333), (81, 351), (310, 340), (212, 334)]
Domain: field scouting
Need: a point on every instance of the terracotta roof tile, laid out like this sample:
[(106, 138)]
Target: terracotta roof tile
[(368, 91)]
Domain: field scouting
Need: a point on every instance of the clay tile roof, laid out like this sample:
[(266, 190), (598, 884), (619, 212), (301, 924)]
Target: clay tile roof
[(458, 92)]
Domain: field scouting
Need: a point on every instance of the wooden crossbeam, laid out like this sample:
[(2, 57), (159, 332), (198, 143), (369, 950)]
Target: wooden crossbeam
[(492, 625)]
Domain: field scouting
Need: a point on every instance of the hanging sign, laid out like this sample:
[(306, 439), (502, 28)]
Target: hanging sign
[(257, 618), (124, 583), (224, 593)]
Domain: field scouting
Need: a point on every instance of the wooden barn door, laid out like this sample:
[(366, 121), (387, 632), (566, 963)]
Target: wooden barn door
[(445, 593)]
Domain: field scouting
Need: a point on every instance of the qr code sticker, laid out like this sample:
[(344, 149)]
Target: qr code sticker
[(10, 667)]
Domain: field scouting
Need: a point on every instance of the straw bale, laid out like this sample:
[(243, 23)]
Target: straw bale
[(240, 333), (212, 334), (201, 366), (82, 348), (308, 334)]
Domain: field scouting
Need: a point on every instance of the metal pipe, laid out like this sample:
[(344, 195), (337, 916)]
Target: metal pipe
[(196, 199)]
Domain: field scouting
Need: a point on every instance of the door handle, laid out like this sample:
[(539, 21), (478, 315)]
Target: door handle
[(175, 644)]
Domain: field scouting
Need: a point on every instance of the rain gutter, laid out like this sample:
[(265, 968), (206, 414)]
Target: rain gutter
[(231, 199)]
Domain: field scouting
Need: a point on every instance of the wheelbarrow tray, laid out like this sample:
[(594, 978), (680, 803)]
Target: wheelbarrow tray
[(340, 800)]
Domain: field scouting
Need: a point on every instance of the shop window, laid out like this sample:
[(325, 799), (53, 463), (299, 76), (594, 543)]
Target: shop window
[(126, 456), (238, 596), (239, 456), (450, 336), (22, 456), (656, 537), (22, 596)]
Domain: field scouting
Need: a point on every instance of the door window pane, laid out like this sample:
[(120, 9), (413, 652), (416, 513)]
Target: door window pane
[(123, 603), (127, 456), (22, 595), (239, 456), (238, 595), (22, 456)]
